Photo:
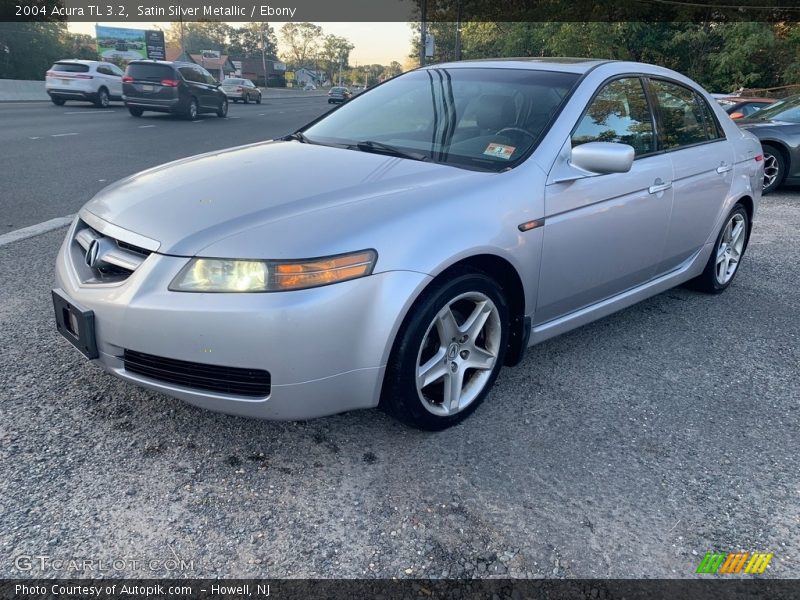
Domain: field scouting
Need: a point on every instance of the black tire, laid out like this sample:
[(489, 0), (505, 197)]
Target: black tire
[(708, 281), (235, 101), (246, 98), (258, 98), (222, 111), (399, 395), (773, 156), (191, 110), (102, 100), (135, 112), (57, 101)]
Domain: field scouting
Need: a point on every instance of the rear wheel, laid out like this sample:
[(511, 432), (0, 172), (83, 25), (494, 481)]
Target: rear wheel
[(774, 168), (222, 111), (448, 352), (102, 100), (723, 264), (135, 112), (191, 111), (57, 101)]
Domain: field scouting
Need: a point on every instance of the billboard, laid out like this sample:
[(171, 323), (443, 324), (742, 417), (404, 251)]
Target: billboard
[(155, 44), (116, 42)]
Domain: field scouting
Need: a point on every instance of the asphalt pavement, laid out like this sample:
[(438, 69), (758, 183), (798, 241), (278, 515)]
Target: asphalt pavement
[(55, 158), (627, 448)]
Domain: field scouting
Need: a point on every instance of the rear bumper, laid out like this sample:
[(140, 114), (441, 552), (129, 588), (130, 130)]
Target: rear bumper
[(72, 93), (171, 106)]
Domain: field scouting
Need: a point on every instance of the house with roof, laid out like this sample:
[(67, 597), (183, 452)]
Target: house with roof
[(219, 65), (305, 76)]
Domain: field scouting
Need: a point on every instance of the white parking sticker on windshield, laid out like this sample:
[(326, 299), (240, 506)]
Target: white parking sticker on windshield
[(499, 151)]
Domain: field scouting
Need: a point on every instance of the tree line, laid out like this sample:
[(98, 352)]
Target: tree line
[(720, 56)]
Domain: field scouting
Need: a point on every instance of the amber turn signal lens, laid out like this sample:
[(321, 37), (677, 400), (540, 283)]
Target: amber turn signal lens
[(312, 273)]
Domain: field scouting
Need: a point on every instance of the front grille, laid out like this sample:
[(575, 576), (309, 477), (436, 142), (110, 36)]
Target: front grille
[(115, 259), (225, 380)]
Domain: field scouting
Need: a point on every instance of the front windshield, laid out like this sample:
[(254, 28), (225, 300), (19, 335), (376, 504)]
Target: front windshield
[(471, 117), (787, 110)]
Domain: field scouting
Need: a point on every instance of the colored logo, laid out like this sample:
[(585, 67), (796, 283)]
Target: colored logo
[(734, 562)]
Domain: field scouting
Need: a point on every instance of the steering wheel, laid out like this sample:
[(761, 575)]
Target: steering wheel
[(517, 130)]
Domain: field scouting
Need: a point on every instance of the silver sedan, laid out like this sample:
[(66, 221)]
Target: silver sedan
[(401, 249)]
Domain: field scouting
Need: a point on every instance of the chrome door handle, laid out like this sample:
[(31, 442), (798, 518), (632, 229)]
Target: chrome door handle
[(659, 186), (724, 168)]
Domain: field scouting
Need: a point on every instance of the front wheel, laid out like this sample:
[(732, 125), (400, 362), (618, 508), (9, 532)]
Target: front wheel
[(258, 99), (723, 264), (246, 98), (57, 101), (774, 169), (448, 352), (222, 111), (102, 100)]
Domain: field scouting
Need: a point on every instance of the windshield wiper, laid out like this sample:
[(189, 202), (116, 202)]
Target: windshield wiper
[(371, 146), (297, 135)]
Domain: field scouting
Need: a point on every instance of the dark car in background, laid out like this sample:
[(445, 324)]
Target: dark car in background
[(339, 94), (179, 88), (778, 128), (741, 108)]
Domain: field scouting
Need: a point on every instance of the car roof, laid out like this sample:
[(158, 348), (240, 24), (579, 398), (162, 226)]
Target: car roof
[(557, 63), (78, 61)]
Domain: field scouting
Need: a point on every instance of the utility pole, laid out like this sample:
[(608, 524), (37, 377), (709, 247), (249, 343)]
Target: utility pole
[(422, 33), (264, 54), (458, 33)]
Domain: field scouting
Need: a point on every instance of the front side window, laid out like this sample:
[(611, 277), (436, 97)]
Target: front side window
[(471, 117), (682, 122), (619, 113)]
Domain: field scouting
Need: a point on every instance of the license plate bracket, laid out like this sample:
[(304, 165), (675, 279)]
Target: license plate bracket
[(75, 323)]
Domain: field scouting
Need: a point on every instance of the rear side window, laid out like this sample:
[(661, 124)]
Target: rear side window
[(619, 113), (682, 120), (150, 72), (70, 68), (713, 128)]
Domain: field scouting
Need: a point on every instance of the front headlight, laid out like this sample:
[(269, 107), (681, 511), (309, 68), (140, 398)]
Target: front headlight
[(231, 275)]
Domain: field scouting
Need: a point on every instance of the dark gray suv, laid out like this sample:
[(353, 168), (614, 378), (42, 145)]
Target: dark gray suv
[(180, 88)]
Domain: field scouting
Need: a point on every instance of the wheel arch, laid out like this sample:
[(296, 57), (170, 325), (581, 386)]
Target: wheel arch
[(507, 277), (782, 148)]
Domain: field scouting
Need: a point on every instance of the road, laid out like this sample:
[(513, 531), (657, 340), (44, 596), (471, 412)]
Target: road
[(55, 158), (627, 448)]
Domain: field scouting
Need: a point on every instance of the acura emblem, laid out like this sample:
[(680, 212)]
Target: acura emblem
[(92, 253)]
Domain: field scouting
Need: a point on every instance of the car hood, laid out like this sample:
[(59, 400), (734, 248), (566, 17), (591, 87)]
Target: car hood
[(192, 203)]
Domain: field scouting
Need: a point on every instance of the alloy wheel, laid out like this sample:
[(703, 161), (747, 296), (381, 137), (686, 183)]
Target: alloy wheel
[(772, 170), (458, 353), (730, 248)]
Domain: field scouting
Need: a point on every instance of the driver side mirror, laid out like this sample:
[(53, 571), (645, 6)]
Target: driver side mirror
[(602, 157)]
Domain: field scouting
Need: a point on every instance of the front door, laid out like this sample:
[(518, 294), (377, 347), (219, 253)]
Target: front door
[(605, 234)]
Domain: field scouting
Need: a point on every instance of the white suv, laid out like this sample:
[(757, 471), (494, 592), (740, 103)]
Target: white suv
[(92, 80)]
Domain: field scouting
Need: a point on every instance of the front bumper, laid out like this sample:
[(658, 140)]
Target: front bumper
[(325, 348)]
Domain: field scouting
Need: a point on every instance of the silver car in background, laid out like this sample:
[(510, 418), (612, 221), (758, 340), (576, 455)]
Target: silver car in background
[(457, 214)]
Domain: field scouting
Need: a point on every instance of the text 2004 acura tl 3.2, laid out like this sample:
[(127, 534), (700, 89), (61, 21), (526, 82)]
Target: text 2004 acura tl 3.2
[(401, 249)]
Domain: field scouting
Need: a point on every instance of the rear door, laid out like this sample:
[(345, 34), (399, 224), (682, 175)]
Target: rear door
[(702, 162), (208, 89), (604, 234), (149, 81)]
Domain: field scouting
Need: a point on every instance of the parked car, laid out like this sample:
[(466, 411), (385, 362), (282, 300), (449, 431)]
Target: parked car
[(778, 128), (88, 80), (180, 88), (338, 94), (739, 108), (445, 229), (241, 89)]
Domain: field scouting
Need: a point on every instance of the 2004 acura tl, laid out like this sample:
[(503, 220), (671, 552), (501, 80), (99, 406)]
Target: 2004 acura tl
[(402, 248)]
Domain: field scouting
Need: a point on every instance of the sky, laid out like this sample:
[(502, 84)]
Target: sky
[(379, 43)]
